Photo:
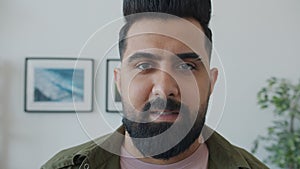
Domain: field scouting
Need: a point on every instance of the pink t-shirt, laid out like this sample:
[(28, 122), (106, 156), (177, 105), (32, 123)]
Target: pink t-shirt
[(198, 160)]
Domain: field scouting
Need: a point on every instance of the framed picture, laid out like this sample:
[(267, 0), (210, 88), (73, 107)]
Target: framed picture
[(113, 97), (58, 85)]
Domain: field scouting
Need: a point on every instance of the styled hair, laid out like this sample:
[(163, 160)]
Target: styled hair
[(199, 10)]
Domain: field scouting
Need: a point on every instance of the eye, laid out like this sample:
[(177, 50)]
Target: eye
[(144, 66), (186, 66)]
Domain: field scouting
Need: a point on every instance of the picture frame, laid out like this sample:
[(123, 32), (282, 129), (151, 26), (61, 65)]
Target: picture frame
[(58, 85), (113, 97)]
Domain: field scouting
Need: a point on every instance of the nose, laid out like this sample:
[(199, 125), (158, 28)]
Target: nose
[(164, 85)]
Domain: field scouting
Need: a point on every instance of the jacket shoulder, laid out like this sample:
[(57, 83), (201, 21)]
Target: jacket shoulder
[(72, 157), (223, 154), (251, 160)]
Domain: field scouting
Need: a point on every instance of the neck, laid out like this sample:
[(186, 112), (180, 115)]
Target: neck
[(129, 146)]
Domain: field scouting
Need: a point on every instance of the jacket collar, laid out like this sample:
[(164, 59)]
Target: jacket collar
[(221, 152)]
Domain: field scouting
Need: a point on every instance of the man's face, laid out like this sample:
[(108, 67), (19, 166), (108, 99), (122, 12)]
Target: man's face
[(165, 76)]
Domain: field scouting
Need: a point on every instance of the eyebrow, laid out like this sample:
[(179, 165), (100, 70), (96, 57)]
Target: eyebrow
[(145, 55), (191, 55)]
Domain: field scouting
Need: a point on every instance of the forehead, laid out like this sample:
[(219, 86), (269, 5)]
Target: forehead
[(171, 35)]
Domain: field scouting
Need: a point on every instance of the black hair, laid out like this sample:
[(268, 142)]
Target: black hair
[(196, 9)]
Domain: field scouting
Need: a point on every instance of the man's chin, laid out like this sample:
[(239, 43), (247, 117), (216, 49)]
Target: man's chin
[(168, 143)]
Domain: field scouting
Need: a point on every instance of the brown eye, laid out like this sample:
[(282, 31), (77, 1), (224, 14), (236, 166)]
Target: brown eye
[(144, 66), (186, 66)]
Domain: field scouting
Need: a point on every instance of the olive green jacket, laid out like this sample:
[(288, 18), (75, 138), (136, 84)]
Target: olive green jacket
[(91, 155)]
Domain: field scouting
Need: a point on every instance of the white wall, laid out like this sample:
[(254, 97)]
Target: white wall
[(255, 39)]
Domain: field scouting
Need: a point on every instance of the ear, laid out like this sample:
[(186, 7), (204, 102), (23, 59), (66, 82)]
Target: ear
[(213, 78), (117, 78)]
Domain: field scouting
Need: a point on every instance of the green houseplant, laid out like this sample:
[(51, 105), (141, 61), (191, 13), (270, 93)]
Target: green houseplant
[(282, 141)]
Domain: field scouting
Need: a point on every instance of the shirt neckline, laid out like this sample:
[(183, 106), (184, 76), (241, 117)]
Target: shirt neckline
[(201, 153)]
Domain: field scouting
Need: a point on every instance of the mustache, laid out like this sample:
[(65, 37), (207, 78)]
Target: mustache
[(162, 104)]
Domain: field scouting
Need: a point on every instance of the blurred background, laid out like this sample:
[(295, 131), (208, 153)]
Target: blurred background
[(255, 40)]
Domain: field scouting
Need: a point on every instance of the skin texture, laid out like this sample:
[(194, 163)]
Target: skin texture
[(159, 62)]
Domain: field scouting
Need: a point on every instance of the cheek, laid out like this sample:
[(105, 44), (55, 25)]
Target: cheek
[(194, 92), (136, 92)]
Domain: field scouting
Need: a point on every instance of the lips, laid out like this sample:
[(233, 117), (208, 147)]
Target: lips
[(164, 116), (164, 112)]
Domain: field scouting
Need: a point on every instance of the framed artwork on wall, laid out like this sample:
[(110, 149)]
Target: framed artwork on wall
[(113, 97), (58, 84)]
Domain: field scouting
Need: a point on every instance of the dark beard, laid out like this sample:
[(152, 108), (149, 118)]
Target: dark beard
[(163, 140)]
